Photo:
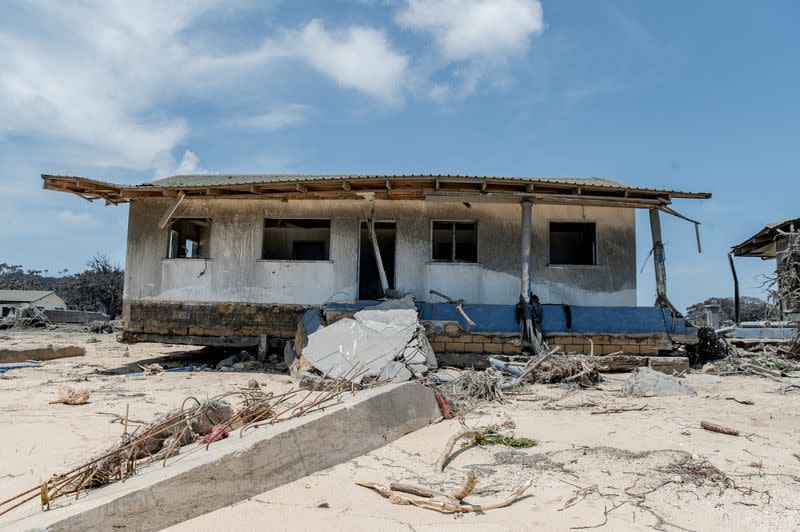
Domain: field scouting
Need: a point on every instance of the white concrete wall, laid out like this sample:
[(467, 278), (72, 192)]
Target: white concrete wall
[(235, 271), (51, 302)]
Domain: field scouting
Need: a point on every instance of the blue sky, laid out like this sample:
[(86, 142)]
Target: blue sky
[(700, 96)]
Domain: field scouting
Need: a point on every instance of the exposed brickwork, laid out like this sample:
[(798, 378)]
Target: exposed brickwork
[(454, 340), (606, 345), (221, 320), (211, 319)]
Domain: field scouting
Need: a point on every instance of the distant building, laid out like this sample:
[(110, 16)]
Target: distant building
[(11, 300), (772, 242)]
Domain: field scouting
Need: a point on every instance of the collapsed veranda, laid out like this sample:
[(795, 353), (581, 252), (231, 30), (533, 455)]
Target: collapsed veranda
[(225, 259)]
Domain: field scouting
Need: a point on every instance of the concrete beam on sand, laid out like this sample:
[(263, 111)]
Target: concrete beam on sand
[(199, 481), (13, 354)]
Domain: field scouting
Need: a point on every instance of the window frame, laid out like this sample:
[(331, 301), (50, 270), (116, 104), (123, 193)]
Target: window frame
[(453, 241), (169, 232), (264, 219), (593, 221)]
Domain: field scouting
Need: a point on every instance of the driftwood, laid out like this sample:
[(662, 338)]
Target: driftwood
[(420, 491), (740, 401), (469, 485), (535, 364), (448, 448), (713, 427), (439, 501), (764, 372), (619, 410)]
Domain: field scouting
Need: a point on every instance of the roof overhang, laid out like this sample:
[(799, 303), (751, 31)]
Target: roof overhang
[(417, 187), (768, 242)]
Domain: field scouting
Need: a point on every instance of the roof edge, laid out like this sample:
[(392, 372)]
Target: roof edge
[(114, 193)]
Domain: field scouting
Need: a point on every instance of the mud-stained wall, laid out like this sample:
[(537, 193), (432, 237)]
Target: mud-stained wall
[(235, 272)]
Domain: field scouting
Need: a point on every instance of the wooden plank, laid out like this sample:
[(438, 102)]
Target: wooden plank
[(162, 223)]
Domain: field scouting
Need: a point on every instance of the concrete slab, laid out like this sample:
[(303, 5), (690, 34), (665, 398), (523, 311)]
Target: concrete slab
[(49, 352), (199, 481)]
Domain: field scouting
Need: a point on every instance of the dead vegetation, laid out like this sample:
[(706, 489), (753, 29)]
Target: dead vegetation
[(164, 437)]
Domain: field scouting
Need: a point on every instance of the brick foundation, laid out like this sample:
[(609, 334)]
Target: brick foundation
[(242, 324), (453, 340), (606, 345), (206, 323)]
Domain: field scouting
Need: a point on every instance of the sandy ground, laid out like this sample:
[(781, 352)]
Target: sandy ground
[(40, 439), (648, 469), (651, 468)]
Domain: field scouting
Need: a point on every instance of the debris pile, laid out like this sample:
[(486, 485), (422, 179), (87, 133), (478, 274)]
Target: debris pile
[(27, 316), (472, 387), (100, 327), (71, 396)]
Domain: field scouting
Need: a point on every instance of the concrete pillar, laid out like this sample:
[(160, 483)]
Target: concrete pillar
[(658, 256), (712, 312), (525, 278)]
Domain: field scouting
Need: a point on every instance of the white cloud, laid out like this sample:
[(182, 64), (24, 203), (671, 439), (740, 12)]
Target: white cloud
[(465, 29), (277, 117), (166, 165), (478, 36), (100, 74), (359, 58)]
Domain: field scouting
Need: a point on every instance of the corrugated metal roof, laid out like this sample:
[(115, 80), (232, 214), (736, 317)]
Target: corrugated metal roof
[(762, 244), (215, 180), (207, 183), (23, 296)]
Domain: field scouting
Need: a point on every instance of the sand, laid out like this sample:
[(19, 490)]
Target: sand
[(40, 439), (649, 469), (631, 470)]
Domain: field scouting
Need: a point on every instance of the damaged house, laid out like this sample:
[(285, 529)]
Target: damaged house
[(13, 301), (226, 259)]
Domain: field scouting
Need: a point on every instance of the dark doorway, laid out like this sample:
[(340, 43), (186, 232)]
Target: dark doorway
[(369, 281)]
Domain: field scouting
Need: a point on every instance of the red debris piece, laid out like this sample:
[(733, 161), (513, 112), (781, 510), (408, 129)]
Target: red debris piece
[(216, 434)]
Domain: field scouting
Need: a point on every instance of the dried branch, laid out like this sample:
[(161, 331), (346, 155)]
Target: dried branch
[(713, 427), (448, 448), (444, 504)]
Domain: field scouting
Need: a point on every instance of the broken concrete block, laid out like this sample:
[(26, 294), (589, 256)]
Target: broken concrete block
[(394, 372), (228, 362), (40, 353), (366, 345), (406, 302), (647, 382)]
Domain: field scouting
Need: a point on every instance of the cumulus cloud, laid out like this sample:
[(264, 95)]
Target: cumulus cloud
[(166, 165), (464, 29), (100, 74), (360, 58), (477, 35), (277, 117)]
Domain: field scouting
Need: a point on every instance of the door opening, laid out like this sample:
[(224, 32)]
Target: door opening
[(369, 282)]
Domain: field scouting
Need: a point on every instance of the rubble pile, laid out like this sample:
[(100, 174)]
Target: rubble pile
[(27, 316)]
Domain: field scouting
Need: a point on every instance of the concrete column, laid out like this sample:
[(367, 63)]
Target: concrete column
[(525, 278), (712, 313), (658, 255)]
